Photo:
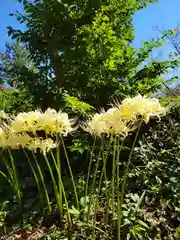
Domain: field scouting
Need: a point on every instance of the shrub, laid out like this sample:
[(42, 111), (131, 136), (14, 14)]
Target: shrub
[(14, 101)]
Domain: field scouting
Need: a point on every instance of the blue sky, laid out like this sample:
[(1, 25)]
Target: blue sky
[(6, 7), (164, 15)]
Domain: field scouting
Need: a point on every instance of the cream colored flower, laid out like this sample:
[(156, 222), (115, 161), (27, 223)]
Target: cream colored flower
[(25, 122), (97, 125), (18, 134), (51, 122), (123, 118), (17, 140), (13, 140), (2, 133), (117, 125), (44, 145), (109, 122), (132, 108), (3, 138), (154, 109), (3, 115)]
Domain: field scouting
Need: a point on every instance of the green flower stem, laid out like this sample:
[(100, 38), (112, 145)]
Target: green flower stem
[(89, 170), (71, 174), (13, 174), (124, 183), (94, 177), (37, 180), (118, 181), (103, 173), (35, 175), (113, 175), (97, 196), (59, 175), (59, 203), (10, 172), (61, 185), (67, 206), (44, 184), (105, 178), (5, 176)]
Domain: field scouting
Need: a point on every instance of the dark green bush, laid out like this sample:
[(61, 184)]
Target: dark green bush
[(155, 169)]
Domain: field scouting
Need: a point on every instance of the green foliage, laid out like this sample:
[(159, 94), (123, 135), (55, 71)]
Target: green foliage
[(177, 234), (3, 213), (85, 49), (19, 70), (14, 101), (156, 169), (16, 63), (173, 101), (152, 197), (77, 55), (55, 236), (78, 107)]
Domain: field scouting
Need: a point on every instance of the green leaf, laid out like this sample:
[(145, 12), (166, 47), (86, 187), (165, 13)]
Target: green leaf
[(143, 224), (84, 201), (74, 211)]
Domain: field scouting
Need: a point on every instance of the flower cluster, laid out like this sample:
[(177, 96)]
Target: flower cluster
[(51, 122), (43, 144), (22, 130), (109, 122), (132, 108), (125, 117)]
